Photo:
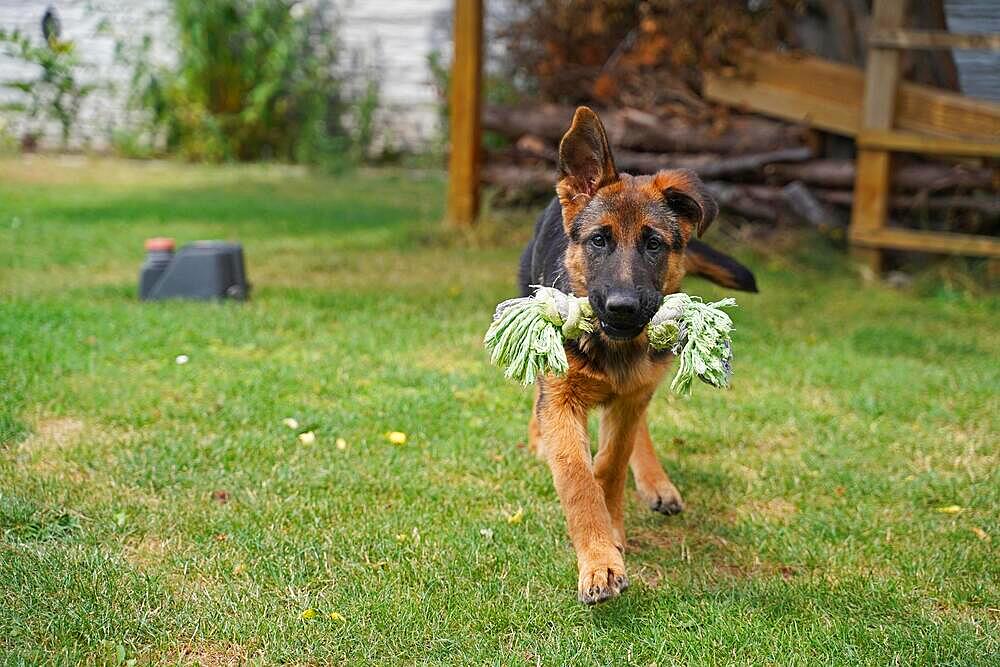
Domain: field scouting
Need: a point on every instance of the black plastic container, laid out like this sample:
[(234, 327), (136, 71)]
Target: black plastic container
[(201, 270), (159, 254)]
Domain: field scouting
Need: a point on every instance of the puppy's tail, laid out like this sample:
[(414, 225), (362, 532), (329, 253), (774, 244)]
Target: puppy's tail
[(704, 260)]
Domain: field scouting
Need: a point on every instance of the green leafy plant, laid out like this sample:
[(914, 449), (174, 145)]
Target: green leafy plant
[(57, 93), (8, 144), (254, 79), (363, 111)]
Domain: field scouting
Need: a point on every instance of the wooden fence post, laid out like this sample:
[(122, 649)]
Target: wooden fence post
[(871, 185), (464, 114)]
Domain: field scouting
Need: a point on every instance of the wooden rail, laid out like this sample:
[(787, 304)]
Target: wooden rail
[(933, 39), (942, 242), (829, 96), (909, 142)]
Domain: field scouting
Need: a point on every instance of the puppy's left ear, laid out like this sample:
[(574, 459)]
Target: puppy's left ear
[(585, 162), (685, 195)]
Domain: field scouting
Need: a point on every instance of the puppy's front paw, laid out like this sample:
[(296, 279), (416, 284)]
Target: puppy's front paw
[(661, 496), (602, 578)]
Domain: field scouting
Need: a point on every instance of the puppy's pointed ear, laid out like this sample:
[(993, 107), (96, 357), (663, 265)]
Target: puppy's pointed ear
[(585, 162), (685, 195)]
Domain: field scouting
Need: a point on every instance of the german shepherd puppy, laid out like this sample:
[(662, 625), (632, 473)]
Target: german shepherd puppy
[(624, 242)]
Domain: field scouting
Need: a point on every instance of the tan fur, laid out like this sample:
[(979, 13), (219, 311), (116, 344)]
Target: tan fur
[(592, 491)]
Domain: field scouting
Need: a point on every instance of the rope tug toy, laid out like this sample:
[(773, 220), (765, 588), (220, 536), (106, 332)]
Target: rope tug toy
[(526, 336)]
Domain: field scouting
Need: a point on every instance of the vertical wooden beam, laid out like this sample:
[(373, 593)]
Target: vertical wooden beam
[(871, 184), (464, 113)]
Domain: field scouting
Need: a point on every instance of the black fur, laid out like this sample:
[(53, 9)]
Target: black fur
[(542, 259), (742, 278)]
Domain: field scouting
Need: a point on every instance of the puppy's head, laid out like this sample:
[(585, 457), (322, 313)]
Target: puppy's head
[(627, 234)]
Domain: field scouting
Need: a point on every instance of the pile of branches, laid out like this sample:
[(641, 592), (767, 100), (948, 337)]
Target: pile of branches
[(639, 63), (755, 167)]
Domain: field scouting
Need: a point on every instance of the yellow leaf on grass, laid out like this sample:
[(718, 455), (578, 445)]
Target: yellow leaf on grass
[(516, 516), (335, 616), (396, 437), (308, 614), (980, 533), (951, 509)]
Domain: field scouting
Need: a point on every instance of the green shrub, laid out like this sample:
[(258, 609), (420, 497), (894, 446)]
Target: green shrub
[(56, 93), (254, 79), (8, 143)]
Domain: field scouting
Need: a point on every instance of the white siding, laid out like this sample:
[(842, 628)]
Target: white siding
[(81, 22), (398, 36)]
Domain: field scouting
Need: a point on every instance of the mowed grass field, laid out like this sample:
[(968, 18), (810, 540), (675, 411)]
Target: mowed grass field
[(842, 499)]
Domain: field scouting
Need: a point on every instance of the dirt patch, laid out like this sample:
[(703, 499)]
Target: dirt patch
[(212, 655), (44, 451), (667, 538), (776, 510), (705, 553), (53, 433), (57, 449), (146, 552), (783, 442), (756, 568)]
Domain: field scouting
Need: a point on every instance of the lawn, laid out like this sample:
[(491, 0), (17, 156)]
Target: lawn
[(843, 499)]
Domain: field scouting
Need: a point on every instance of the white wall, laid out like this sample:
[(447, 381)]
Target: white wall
[(399, 35), (395, 36), (81, 22)]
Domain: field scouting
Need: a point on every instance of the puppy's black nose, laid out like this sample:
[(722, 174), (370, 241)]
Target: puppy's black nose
[(622, 303)]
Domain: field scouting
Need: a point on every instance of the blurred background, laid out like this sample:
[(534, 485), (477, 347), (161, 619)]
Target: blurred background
[(331, 472), (763, 98)]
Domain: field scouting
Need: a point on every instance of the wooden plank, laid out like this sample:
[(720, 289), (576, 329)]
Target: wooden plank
[(933, 39), (871, 186), (936, 242), (837, 116), (871, 202), (918, 143), (464, 114), (828, 94)]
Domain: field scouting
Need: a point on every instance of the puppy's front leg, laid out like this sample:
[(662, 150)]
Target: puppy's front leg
[(563, 426), (620, 421)]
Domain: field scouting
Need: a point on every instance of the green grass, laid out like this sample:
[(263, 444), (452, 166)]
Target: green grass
[(163, 513)]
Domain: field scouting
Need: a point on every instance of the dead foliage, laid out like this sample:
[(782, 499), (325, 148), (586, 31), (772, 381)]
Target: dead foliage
[(629, 53)]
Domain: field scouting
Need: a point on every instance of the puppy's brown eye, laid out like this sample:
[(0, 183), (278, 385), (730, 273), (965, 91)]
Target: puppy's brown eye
[(598, 240), (652, 245)]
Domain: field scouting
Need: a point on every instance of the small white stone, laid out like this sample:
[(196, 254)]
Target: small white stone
[(181, 359), (290, 422), (307, 438)]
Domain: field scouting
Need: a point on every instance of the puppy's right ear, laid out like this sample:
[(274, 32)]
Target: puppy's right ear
[(585, 162)]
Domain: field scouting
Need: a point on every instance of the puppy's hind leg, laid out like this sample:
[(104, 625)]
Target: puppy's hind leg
[(651, 480)]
